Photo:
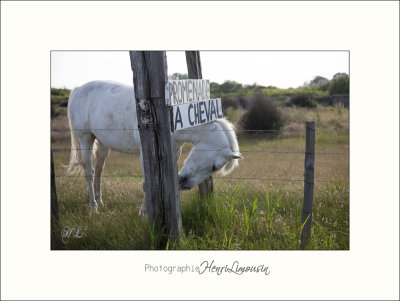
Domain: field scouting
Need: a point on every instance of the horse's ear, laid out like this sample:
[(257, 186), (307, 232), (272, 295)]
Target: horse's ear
[(237, 155)]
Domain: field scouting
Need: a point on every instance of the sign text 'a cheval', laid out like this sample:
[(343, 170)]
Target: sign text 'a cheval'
[(191, 103)]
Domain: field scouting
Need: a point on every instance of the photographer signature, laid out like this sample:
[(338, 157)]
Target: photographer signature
[(72, 232)]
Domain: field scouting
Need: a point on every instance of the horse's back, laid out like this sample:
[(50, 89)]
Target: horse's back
[(96, 98), (104, 92), (107, 110)]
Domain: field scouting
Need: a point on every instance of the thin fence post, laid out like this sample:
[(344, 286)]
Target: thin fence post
[(308, 182), (194, 72), (54, 206), (162, 199)]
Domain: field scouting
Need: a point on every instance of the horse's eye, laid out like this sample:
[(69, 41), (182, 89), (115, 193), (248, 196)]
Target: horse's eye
[(214, 168)]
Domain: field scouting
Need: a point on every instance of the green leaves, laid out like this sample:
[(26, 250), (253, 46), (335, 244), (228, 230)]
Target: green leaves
[(339, 84), (232, 206), (249, 215)]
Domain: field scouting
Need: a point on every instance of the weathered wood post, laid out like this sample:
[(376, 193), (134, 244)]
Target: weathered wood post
[(162, 200), (54, 206), (308, 182), (194, 72)]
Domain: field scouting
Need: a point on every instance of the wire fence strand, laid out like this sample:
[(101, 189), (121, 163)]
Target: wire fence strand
[(220, 178), (213, 150)]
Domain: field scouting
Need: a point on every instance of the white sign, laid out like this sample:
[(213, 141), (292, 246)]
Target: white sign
[(178, 92), (192, 114)]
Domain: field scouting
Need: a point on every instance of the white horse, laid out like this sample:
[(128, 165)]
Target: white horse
[(102, 116)]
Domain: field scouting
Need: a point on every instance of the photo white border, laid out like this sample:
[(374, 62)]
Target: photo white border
[(29, 31)]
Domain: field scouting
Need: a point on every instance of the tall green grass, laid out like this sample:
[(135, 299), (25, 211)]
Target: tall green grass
[(236, 217)]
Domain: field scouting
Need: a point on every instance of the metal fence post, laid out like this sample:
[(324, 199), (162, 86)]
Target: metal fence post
[(308, 182), (162, 197), (194, 72)]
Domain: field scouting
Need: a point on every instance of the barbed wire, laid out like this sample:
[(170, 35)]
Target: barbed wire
[(221, 178), (215, 150)]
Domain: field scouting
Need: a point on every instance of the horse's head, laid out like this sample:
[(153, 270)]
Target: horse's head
[(218, 151), (202, 163)]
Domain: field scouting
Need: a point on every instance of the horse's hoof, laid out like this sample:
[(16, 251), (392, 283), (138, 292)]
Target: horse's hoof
[(142, 212), (93, 208), (100, 203)]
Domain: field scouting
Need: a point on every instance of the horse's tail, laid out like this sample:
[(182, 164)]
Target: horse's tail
[(75, 166)]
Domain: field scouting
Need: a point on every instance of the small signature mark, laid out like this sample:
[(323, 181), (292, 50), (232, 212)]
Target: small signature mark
[(72, 232)]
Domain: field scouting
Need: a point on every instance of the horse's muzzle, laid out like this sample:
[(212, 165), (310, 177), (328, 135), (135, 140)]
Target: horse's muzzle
[(183, 185)]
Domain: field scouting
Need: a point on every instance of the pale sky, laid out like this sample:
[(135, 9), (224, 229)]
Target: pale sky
[(282, 69)]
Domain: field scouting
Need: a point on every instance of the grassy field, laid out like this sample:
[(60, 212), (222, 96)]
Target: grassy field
[(250, 209)]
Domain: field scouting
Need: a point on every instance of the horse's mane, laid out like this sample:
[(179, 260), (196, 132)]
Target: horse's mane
[(230, 133)]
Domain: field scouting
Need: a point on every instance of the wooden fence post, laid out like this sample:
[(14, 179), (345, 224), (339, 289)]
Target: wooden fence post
[(54, 206), (162, 200), (308, 182), (194, 72)]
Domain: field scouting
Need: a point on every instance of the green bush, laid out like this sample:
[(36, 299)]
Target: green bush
[(323, 100), (59, 93), (302, 101), (262, 115), (178, 76), (339, 84), (231, 114), (243, 101), (230, 86), (320, 83), (229, 101)]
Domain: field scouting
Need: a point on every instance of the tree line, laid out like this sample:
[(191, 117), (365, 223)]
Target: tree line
[(319, 85)]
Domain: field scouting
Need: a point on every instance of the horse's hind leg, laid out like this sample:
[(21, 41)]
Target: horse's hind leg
[(86, 141), (100, 157)]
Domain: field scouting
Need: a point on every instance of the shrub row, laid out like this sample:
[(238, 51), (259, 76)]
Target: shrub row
[(262, 114)]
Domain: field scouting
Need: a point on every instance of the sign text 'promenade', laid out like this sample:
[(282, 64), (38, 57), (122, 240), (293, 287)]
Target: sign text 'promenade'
[(186, 91), (191, 103)]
